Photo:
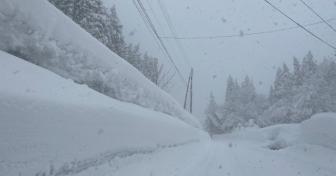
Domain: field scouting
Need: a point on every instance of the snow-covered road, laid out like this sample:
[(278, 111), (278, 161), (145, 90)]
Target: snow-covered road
[(239, 158), (225, 156), (275, 151)]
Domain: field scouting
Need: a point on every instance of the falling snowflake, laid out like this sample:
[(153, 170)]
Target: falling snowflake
[(241, 33)]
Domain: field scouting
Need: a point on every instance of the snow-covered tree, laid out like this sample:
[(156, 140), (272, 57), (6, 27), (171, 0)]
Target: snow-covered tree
[(212, 122), (308, 66), (242, 105), (66, 6), (113, 29), (308, 90), (283, 83), (298, 75), (105, 25), (232, 94)]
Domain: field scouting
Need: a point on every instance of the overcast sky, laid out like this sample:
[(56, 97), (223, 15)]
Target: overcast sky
[(214, 59)]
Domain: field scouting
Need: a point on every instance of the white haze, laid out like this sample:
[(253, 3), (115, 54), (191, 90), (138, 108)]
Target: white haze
[(213, 60)]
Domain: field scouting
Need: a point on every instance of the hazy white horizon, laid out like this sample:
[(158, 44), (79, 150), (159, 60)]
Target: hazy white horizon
[(214, 59)]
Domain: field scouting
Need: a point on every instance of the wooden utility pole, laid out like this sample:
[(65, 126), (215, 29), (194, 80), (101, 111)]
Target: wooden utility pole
[(189, 91)]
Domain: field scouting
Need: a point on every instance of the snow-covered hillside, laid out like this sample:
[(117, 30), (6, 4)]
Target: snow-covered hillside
[(38, 32), (49, 124)]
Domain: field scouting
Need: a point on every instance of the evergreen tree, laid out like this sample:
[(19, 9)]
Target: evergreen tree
[(298, 76), (308, 66), (284, 82), (313, 91), (242, 104), (133, 56), (150, 67), (66, 6), (272, 97), (326, 88), (89, 14), (231, 89), (247, 91), (106, 27), (212, 122), (115, 39)]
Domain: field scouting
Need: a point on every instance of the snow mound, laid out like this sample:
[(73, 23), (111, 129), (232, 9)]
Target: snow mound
[(320, 130), (38, 32), (53, 126)]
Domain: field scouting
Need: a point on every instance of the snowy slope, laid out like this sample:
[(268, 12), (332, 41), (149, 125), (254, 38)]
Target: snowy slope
[(50, 124), (36, 31)]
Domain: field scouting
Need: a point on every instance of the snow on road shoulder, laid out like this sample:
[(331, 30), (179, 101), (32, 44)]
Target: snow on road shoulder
[(288, 149), (320, 130), (49, 124)]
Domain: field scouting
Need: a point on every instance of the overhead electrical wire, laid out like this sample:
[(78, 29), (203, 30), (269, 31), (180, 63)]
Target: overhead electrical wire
[(312, 10), (147, 25), (245, 34), (146, 18), (173, 31), (301, 26), (150, 31), (154, 14)]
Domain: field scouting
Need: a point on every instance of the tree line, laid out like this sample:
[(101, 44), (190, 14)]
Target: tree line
[(104, 24), (295, 96)]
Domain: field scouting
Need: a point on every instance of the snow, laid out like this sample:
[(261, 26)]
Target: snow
[(38, 32), (320, 130), (50, 124), (243, 153), (276, 150), (88, 133)]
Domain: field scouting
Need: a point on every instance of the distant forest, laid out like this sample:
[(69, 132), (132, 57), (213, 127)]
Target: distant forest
[(295, 96)]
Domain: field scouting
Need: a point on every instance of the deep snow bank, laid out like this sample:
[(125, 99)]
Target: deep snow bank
[(50, 124), (38, 32), (320, 130)]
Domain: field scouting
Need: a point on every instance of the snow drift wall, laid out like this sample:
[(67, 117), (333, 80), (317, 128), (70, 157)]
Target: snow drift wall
[(51, 126), (38, 32)]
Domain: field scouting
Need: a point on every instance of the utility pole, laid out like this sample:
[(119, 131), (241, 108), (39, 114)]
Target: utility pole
[(189, 91)]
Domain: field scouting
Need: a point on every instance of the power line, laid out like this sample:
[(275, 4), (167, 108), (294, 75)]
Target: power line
[(173, 31), (155, 38), (154, 14), (311, 9), (147, 25), (149, 21), (246, 34), (305, 29)]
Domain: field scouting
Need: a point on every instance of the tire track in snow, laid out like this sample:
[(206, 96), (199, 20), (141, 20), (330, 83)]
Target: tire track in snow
[(78, 166)]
